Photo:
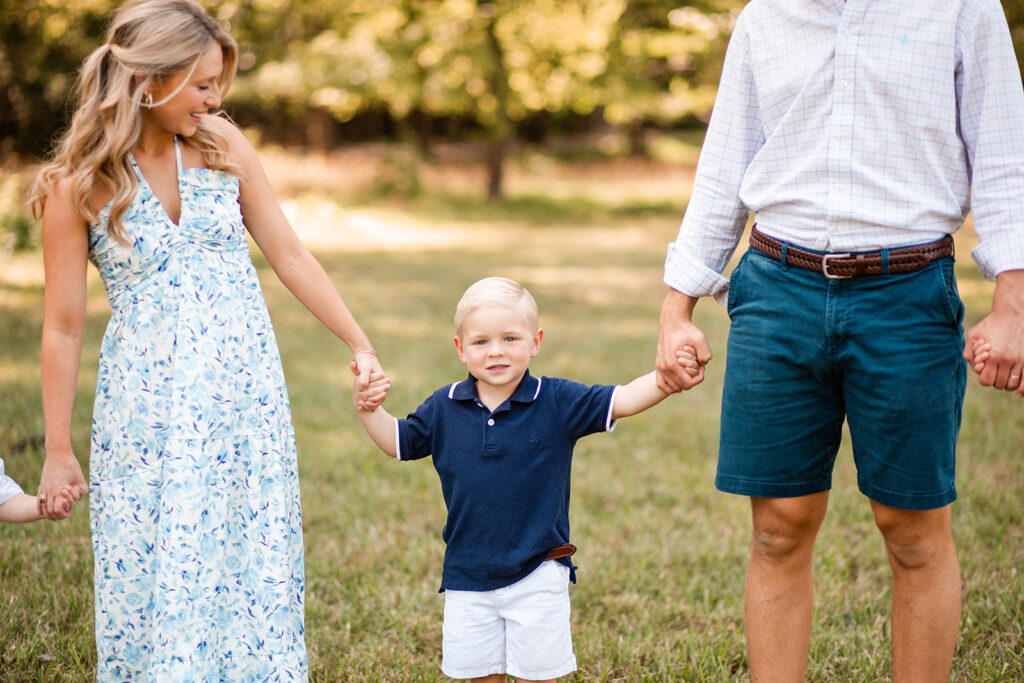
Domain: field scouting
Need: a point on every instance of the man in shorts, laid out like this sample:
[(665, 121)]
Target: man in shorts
[(860, 133)]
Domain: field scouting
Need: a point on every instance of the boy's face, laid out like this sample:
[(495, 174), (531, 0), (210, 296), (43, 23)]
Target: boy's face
[(496, 344)]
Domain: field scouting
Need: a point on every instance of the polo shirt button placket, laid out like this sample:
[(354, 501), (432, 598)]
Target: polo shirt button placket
[(490, 422)]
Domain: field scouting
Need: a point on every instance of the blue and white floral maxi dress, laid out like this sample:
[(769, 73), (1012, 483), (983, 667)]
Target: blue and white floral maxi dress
[(194, 491)]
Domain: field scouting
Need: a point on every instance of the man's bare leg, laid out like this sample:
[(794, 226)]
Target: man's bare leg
[(779, 597), (925, 591)]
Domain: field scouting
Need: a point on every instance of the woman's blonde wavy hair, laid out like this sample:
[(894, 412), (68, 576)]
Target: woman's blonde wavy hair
[(151, 39)]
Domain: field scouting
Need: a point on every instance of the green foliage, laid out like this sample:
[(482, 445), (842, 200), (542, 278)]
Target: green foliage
[(633, 61), (494, 65), (17, 228), (498, 67), (42, 42), (398, 176), (1015, 17), (312, 72)]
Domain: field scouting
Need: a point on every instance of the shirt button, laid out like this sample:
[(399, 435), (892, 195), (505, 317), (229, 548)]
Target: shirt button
[(490, 423), (840, 136)]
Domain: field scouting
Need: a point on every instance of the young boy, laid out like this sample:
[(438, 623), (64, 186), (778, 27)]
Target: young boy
[(17, 506), (502, 442)]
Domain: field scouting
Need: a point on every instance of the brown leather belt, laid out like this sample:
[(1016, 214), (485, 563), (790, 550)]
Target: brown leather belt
[(836, 265), (564, 550)]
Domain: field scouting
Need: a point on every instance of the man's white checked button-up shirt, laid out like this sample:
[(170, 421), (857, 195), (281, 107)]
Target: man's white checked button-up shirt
[(859, 125)]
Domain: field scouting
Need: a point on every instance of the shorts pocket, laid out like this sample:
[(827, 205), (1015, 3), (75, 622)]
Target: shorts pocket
[(949, 295), (736, 284)]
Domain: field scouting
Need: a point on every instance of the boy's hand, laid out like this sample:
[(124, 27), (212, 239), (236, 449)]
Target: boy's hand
[(67, 499), (686, 357), (369, 394), (981, 350)]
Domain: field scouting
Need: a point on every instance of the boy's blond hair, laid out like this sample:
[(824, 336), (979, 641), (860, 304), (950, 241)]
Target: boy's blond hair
[(495, 292)]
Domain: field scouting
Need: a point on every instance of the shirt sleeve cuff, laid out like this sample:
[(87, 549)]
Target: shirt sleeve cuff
[(610, 422), (996, 256), (398, 442), (8, 489), (693, 278)]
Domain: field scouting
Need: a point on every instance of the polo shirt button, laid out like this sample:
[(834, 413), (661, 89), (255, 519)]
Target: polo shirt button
[(490, 423)]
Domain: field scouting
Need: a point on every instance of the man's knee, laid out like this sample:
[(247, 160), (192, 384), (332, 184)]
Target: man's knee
[(915, 538), (785, 527)]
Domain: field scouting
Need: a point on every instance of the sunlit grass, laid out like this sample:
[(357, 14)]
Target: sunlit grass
[(662, 554)]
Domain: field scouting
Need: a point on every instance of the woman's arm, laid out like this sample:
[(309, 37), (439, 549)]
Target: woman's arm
[(65, 250), (296, 267)]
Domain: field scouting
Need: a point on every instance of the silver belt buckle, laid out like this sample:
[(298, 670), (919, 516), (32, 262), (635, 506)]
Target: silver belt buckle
[(825, 258)]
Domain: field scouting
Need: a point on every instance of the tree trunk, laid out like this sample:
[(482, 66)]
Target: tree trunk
[(320, 133), (499, 86), (495, 169), (637, 142)]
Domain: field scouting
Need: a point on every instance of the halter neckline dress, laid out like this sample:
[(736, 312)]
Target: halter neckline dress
[(194, 495)]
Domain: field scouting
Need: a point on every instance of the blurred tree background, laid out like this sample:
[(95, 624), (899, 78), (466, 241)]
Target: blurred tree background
[(319, 73), (325, 73)]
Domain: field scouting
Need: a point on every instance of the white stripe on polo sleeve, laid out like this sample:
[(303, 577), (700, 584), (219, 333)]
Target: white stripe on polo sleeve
[(609, 423), (398, 441)]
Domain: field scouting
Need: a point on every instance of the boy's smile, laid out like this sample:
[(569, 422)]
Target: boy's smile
[(496, 344)]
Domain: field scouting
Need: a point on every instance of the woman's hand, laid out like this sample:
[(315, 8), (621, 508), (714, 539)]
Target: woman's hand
[(62, 478), (371, 384)]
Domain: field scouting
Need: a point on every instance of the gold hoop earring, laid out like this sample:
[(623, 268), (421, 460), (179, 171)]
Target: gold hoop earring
[(147, 101)]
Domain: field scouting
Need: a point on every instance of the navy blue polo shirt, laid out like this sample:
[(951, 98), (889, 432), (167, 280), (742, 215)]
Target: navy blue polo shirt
[(504, 475)]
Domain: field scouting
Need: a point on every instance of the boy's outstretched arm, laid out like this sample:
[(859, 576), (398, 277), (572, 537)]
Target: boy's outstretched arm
[(643, 392), (637, 396), (379, 424)]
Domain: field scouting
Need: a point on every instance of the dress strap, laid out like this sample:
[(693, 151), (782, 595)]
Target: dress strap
[(135, 166), (177, 154)]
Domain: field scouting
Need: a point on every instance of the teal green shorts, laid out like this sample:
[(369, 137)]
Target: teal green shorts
[(805, 353)]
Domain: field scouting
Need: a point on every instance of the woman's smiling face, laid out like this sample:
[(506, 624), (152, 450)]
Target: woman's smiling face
[(193, 92)]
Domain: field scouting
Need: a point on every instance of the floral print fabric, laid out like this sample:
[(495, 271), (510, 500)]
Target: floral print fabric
[(194, 494)]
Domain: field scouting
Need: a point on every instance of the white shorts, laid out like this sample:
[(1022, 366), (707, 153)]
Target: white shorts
[(521, 630)]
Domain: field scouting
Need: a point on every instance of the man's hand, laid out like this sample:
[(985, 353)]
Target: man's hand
[(677, 330), (1003, 331)]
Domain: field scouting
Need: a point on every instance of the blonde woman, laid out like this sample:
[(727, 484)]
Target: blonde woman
[(193, 483)]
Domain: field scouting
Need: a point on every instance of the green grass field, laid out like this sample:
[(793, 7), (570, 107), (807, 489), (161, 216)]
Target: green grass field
[(662, 554)]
